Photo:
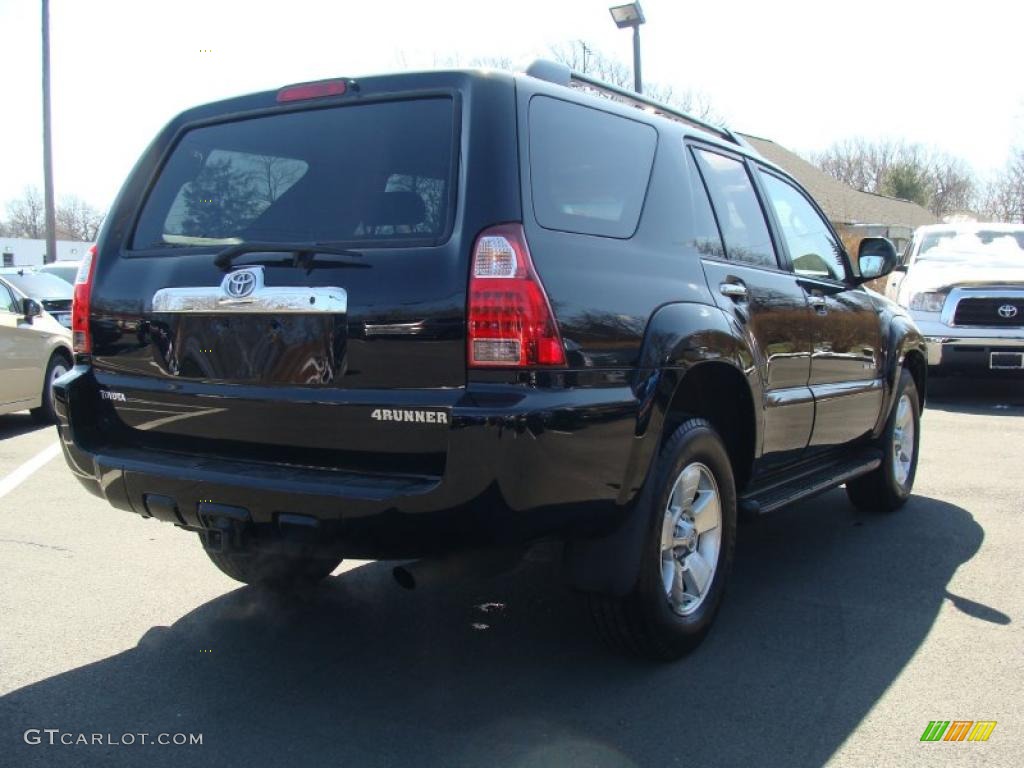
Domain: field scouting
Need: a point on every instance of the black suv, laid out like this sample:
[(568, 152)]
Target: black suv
[(442, 316)]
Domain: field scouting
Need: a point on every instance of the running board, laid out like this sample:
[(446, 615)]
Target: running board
[(785, 491)]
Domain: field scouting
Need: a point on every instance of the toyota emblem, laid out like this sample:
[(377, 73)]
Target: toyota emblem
[(240, 284), (1007, 311)]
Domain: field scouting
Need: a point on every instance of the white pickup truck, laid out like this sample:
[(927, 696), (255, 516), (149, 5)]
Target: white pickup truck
[(964, 286)]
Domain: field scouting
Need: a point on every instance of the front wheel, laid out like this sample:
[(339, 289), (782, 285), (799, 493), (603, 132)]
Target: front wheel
[(690, 500), (887, 488)]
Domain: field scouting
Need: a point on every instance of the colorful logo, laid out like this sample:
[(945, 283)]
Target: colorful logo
[(958, 730)]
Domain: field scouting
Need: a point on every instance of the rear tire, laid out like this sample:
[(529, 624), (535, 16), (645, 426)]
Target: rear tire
[(887, 488), (690, 502), (273, 571), (59, 364)]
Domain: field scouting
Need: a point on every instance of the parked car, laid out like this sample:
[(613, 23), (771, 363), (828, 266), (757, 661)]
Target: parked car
[(471, 311), (964, 286), (65, 270), (35, 350), (53, 294)]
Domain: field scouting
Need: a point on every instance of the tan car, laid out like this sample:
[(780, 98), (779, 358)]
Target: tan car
[(35, 350)]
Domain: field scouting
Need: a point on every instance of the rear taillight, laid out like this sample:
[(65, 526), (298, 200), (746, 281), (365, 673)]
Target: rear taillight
[(511, 324), (81, 338)]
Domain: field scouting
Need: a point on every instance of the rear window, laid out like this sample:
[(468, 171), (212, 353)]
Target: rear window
[(368, 174), (589, 169)]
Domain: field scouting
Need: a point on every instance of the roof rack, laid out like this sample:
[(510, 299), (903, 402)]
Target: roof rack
[(560, 74)]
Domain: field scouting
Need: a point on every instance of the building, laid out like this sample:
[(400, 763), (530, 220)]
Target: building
[(23, 252), (853, 213)]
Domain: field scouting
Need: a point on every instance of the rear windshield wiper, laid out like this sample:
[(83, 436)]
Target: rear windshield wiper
[(302, 253)]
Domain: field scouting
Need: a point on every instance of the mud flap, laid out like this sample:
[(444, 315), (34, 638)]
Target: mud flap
[(608, 565)]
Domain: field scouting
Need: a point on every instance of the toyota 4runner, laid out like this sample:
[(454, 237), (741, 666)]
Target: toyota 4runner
[(441, 316)]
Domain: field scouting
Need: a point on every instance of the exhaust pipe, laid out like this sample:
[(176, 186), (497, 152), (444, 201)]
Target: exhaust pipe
[(431, 571)]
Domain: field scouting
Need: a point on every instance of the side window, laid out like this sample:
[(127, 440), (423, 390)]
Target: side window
[(905, 255), (7, 302), (812, 247), (740, 216), (588, 169), (704, 236)]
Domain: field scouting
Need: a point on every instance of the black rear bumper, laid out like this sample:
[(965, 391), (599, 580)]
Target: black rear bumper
[(522, 464)]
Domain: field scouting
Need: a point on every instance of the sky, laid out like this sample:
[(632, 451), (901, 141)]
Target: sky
[(804, 74)]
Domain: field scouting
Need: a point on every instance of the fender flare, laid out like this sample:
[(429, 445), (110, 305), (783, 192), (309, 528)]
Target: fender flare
[(903, 338), (679, 338)]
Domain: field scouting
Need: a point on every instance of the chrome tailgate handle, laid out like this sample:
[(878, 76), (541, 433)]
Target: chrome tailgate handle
[(733, 290)]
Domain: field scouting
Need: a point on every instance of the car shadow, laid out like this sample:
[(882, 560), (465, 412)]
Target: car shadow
[(825, 608), (15, 424), (990, 396)]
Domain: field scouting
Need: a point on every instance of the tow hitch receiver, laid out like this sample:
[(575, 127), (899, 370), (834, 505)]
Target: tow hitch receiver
[(224, 527)]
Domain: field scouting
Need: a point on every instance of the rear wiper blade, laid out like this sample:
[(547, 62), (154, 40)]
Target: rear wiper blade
[(302, 253)]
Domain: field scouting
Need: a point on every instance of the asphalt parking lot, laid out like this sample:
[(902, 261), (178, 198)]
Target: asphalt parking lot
[(843, 635)]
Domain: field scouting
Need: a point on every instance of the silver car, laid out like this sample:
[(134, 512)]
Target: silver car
[(35, 350), (964, 286), (65, 270)]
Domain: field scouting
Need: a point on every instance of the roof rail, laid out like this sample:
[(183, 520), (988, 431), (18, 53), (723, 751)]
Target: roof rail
[(560, 74)]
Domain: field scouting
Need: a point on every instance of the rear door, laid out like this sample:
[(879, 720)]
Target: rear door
[(349, 356), (847, 353), (766, 301), (22, 352)]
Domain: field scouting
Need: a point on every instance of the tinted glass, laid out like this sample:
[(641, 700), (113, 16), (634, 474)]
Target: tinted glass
[(815, 252), (366, 174), (739, 213), (589, 169), (706, 237), (40, 285)]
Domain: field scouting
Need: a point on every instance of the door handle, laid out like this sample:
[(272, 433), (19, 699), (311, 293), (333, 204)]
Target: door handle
[(818, 303), (733, 290)]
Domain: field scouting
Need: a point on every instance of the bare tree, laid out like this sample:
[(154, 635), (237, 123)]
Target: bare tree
[(77, 220), (954, 187), (939, 181), (582, 57), (1003, 197), (26, 215)]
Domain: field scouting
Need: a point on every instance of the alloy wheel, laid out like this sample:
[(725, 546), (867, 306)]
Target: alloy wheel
[(691, 537)]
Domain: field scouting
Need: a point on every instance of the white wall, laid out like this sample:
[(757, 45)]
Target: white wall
[(29, 253)]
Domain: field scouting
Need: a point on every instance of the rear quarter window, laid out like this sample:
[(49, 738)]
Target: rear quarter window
[(589, 169), (364, 174)]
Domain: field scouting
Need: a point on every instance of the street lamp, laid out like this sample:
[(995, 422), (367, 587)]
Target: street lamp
[(631, 15)]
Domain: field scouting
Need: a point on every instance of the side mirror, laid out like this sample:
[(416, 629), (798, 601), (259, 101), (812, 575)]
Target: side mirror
[(30, 308), (876, 257)]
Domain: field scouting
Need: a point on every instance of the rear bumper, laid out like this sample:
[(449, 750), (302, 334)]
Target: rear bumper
[(522, 464)]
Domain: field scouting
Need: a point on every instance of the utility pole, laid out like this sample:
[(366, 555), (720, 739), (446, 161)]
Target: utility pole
[(51, 222)]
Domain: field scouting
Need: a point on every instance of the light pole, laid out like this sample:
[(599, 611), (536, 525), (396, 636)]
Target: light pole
[(51, 234), (631, 15)]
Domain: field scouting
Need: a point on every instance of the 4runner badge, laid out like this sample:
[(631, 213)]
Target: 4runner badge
[(419, 417)]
